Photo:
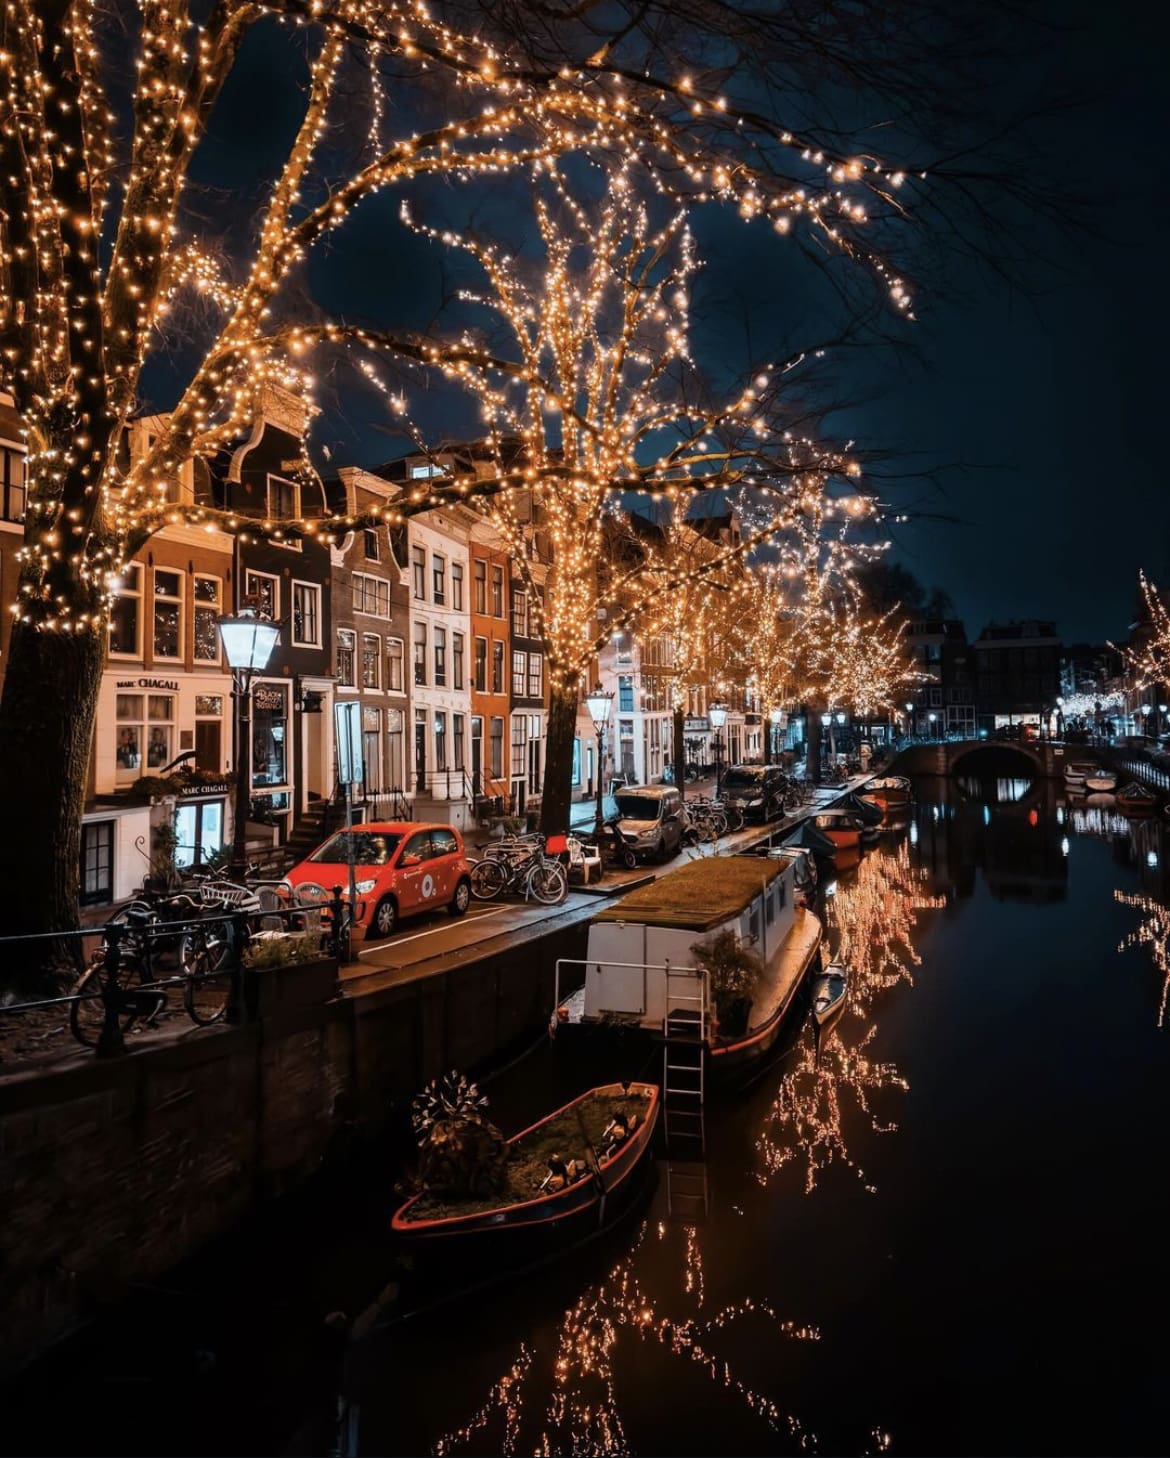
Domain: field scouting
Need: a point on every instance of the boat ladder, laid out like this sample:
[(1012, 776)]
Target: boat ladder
[(684, 1056), (687, 1198)]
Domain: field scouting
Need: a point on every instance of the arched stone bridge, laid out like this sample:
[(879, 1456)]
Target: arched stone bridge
[(991, 756)]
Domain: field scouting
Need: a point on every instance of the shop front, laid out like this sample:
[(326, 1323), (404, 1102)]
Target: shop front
[(148, 722), (272, 763)]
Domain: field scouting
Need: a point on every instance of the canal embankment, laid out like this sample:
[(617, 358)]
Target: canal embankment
[(113, 1171)]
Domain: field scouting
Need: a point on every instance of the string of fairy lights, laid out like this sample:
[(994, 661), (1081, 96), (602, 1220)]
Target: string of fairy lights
[(79, 319)]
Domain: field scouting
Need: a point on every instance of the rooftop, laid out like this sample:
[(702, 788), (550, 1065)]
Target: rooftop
[(700, 895)]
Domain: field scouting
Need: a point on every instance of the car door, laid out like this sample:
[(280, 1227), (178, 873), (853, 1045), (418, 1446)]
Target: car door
[(672, 822), (412, 869), (442, 867)]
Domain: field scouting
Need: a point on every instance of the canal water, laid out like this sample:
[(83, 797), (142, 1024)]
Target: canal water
[(944, 1231)]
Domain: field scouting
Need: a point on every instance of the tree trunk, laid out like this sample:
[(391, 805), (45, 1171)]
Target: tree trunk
[(47, 713), (812, 730), (558, 758), (680, 751), (766, 721)]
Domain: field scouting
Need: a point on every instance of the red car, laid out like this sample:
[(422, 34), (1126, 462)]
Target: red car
[(402, 867)]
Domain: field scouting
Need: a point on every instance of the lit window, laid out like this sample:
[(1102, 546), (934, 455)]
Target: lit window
[(345, 651), (124, 614), (371, 661), (207, 611), (306, 630), (168, 614)]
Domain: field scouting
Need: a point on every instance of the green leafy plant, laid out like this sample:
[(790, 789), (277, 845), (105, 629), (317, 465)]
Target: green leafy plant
[(156, 786), (285, 949), (461, 1152), (733, 971)]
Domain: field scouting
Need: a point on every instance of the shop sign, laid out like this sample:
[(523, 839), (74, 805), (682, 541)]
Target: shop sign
[(696, 726), (210, 787), (170, 684), (270, 699)]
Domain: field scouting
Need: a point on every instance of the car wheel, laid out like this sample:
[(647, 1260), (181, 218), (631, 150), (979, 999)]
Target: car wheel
[(385, 918), (462, 898)]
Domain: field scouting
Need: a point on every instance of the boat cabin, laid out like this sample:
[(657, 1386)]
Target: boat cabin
[(639, 961)]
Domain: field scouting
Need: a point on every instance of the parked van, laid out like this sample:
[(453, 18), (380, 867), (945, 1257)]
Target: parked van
[(653, 816)]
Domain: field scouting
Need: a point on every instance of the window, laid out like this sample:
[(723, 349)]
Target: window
[(168, 614), (440, 741), (419, 644), (282, 499), (457, 736), (576, 779), (457, 586), (145, 728), (261, 592), (372, 747), (395, 679), (497, 592), (497, 667), (519, 745), (534, 675), (440, 657), (207, 611), (97, 862), (443, 843), (439, 578), (12, 485), (626, 694), (345, 649), (124, 614), (425, 473), (371, 661), (480, 586), (519, 670), (519, 614), (480, 665), (306, 623), (457, 660), (418, 573), (496, 750), (371, 595), (370, 544)]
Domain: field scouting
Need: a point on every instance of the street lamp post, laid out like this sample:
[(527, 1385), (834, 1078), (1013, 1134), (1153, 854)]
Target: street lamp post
[(248, 641), (717, 714), (599, 703), (909, 721), (775, 719), (1145, 721), (932, 718)]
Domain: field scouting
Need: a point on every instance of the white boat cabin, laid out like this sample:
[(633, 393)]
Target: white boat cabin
[(640, 958)]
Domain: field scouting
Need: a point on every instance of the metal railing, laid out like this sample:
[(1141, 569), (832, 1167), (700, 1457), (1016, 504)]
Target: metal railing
[(123, 964), (443, 784)]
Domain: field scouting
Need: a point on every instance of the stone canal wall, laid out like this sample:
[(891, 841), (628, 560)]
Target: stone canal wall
[(113, 1171)]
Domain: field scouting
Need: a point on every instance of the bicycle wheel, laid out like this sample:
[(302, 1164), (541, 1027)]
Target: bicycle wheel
[(208, 984), (488, 879), (87, 1014), (548, 883), (733, 817)]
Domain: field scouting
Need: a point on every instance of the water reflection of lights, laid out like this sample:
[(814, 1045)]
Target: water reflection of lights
[(580, 1413), (874, 916), (1097, 820), (1154, 932), (998, 792)]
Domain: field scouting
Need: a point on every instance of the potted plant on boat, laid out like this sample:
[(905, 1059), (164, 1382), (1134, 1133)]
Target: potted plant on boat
[(732, 971), (461, 1152)]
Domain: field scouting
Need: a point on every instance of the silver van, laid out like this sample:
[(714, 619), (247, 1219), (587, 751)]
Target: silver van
[(652, 816)]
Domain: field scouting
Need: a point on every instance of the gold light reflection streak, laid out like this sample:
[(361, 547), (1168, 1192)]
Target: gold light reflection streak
[(874, 914), (580, 1414), (1154, 932)]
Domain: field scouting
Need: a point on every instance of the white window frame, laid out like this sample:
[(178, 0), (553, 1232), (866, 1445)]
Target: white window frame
[(376, 639), (366, 589), (536, 659), (314, 590), (438, 579), (457, 583), (176, 601), (400, 687), (197, 606), (349, 633), (250, 574), (272, 516), (418, 572), (137, 573), (370, 535)]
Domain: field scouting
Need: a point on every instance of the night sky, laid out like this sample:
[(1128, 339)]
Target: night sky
[(1048, 399)]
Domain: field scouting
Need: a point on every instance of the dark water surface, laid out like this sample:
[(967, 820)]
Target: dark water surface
[(948, 1233)]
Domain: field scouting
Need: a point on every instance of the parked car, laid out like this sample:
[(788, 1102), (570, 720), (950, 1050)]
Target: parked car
[(652, 816), (756, 790), (403, 867)]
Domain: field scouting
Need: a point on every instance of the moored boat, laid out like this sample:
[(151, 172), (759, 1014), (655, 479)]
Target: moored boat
[(872, 814), (1135, 799), (828, 995), (845, 828), (1077, 773), (565, 1175), (652, 959), (1100, 781), (889, 792)]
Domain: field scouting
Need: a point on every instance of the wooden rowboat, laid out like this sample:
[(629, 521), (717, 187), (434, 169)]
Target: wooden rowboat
[(893, 792), (1135, 799), (584, 1202), (828, 995)]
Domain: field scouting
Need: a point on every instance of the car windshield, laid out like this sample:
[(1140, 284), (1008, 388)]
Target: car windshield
[(369, 848), (743, 779), (638, 807)]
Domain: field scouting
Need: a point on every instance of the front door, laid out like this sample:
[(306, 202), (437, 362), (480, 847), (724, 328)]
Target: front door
[(317, 772), (477, 757), (420, 754)]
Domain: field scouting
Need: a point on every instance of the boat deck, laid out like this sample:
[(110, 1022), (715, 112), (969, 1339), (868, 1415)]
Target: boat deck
[(782, 977)]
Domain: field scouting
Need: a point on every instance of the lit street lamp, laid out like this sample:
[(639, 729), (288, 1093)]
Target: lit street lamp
[(775, 719), (599, 703), (248, 641), (1146, 721), (717, 714), (932, 718)]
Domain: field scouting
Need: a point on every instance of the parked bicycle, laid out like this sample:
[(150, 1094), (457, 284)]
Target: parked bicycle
[(520, 865)]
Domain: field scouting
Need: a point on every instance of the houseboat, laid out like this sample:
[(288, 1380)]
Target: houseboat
[(643, 968)]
